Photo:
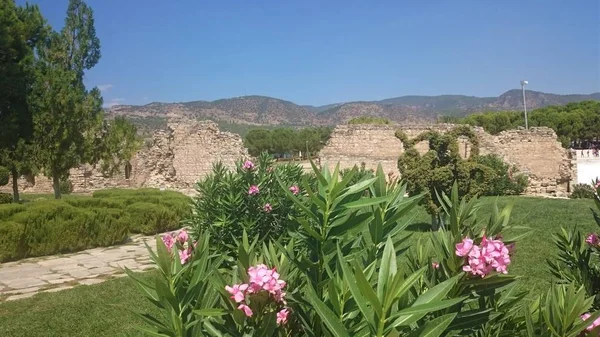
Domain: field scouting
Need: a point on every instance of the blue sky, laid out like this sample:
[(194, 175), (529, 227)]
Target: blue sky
[(321, 52)]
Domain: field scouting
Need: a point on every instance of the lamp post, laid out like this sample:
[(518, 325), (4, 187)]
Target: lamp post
[(523, 84)]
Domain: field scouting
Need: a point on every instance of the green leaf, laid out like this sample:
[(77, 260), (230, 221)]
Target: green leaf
[(355, 290), (435, 327), (367, 290), (210, 312), (364, 202), (387, 269), (336, 328)]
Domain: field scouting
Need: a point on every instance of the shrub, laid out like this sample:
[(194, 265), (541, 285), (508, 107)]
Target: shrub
[(250, 198), (12, 235), (344, 273), (582, 191), (65, 186), (149, 218), (4, 175), (7, 210), (56, 227), (506, 181), (5, 198)]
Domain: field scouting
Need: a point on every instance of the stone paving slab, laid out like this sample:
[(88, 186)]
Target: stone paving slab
[(25, 278)]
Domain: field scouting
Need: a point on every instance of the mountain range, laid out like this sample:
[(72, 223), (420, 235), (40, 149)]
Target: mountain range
[(262, 110)]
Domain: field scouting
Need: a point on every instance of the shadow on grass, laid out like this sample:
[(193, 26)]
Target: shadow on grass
[(419, 227)]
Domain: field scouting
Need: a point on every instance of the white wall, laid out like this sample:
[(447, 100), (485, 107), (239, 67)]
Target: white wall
[(587, 169)]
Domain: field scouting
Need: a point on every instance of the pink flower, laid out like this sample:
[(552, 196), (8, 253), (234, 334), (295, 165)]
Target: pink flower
[(282, 316), (246, 309), (267, 208), (168, 241), (182, 237), (295, 189), (435, 265), (488, 256), (253, 190), (184, 255), (594, 324), (248, 165), (463, 248), (593, 239), (597, 185), (237, 292)]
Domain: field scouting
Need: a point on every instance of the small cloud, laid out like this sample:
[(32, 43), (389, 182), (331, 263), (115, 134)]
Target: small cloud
[(105, 87), (145, 98), (112, 102)]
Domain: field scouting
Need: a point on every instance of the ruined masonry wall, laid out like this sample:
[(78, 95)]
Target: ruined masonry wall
[(535, 152), (176, 158)]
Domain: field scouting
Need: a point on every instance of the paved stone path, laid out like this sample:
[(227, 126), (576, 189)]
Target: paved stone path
[(25, 278)]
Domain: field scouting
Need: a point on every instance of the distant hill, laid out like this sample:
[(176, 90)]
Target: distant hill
[(262, 110)]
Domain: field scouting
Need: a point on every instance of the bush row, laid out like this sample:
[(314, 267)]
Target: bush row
[(47, 227)]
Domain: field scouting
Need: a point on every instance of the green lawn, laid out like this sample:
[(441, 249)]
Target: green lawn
[(100, 310)]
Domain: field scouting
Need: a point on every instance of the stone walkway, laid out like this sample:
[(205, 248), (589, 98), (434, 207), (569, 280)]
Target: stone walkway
[(25, 278)]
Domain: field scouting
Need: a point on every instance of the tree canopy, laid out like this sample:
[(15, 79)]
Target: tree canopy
[(369, 120), (49, 120), (574, 122), (286, 141)]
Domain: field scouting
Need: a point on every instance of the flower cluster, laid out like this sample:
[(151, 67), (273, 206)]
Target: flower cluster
[(594, 324), (295, 189), (593, 239), (261, 281), (597, 184), (484, 258), (179, 241), (267, 208), (248, 165), (253, 190)]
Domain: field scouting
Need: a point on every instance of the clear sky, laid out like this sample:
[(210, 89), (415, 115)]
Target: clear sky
[(320, 52)]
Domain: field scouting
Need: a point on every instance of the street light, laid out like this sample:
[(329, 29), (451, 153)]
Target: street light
[(523, 84)]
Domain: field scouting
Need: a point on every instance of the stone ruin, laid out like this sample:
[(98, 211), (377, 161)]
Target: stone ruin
[(535, 152), (175, 158), (178, 157)]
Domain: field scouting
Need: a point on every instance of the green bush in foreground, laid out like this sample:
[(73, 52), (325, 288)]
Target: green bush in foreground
[(342, 272)]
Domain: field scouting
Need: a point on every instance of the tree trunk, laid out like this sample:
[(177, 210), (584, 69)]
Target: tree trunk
[(434, 222), (56, 185), (15, 183)]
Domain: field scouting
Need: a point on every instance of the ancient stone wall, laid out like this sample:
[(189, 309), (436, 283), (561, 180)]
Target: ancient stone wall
[(175, 158), (535, 152)]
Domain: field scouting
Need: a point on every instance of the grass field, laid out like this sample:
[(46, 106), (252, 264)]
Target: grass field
[(102, 310)]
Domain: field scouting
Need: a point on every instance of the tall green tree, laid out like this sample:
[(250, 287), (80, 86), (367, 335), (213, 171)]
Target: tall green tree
[(114, 146), (21, 31), (67, 115)]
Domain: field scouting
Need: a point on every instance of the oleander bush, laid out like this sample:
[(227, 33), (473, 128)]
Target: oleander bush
[(342, 269), (248, 198)]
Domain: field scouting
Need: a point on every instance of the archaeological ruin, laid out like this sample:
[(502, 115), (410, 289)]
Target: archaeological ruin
[(535, 152), (174, 159), (178, 157)]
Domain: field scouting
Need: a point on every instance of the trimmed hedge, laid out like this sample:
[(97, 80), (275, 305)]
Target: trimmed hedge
[(150, 211), (5, 198), (49, 226)]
